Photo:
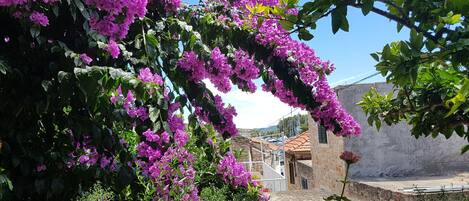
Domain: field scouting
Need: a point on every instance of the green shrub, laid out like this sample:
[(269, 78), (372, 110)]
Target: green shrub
[(213, 194), (96, 193)]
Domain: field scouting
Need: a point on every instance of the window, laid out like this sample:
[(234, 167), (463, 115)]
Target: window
[(292, 173), (304, 183), (322, 134)]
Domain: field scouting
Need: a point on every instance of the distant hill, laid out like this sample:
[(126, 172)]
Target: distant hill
[(246, 131), (267, 129)]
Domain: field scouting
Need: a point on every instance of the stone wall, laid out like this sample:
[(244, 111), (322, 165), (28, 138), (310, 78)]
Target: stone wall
[(302, 169), (393, 152), (327, 168), (289, 159), (367, 192), (241, 143), (305, 171)]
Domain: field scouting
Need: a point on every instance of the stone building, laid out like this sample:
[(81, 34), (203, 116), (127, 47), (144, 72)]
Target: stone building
[(392, 159), (298, 167)]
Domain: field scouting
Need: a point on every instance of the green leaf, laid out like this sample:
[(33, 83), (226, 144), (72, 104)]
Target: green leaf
[(370, 120), (4, 68), (344, 25), (367, 6), (82, 9), (308, 6), (452, 19), (287, 25), (154, 114), (35, 30), (336, 21), (460, 130), (386, 54), (151, 39), (459, 99), (4, 180), (430, 45), (55, 10), (416, 40), (305, 35), (465, 149), (375, 56), (399, 27), (455, 19), (378, 124)]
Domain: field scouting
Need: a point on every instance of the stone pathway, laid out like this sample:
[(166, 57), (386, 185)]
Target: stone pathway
[(301, 196)]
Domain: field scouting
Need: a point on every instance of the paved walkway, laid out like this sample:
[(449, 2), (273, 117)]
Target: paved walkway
[(300, 196)]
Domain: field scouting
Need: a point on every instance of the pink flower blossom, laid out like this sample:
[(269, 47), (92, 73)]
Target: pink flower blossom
[(195, 67), (41, 168), (233, 172), (39, 18), (85, 59), (145, 75), (113, 49), (219, 71)]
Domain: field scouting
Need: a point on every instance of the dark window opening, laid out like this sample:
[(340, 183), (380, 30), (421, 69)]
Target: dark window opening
[(322, 134), (292, 173), (304, 183)]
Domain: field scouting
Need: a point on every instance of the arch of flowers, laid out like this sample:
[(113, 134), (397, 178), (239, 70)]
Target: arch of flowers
[(94, 90)]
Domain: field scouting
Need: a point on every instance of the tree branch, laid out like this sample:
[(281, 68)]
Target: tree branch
[(397, 19)]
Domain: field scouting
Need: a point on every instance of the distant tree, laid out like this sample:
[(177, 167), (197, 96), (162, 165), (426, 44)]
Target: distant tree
[(293, 125)]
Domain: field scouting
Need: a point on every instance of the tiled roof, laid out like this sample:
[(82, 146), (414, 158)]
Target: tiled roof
[(266, 144), (299, 143)]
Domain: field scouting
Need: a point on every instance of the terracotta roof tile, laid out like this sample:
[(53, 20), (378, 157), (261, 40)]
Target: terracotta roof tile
[(299, 143)]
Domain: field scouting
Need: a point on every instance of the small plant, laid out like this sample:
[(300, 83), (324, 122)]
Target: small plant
[(442, 196), (96, 193), (349, 158), (213, 194)]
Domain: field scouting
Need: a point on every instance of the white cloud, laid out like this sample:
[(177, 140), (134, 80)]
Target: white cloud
[(257, 110)]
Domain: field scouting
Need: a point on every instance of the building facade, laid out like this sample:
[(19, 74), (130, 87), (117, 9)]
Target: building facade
[(298, 166), (391, 152)]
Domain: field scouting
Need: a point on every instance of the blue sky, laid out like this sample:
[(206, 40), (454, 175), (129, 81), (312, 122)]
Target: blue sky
[(349, 51)]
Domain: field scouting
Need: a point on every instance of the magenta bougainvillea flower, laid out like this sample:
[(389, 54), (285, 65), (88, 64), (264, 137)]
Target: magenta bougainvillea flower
[(113, 49), (85, 59), (39, 18)]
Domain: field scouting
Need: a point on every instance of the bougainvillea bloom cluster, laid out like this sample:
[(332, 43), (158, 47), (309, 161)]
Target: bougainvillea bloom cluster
[(86, 154), (245, 70), (233, 172), (219, 70), (118, 16), (161, 154), (145, 75), (39, 18), (311, 69), (194, 66), (169, 165), (113, 49), (226, 125)]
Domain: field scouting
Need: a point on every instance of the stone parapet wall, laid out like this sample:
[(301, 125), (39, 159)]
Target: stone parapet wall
[(372, 193)]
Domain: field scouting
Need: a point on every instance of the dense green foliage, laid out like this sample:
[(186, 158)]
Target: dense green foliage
[(114, 92), (293, 125)]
